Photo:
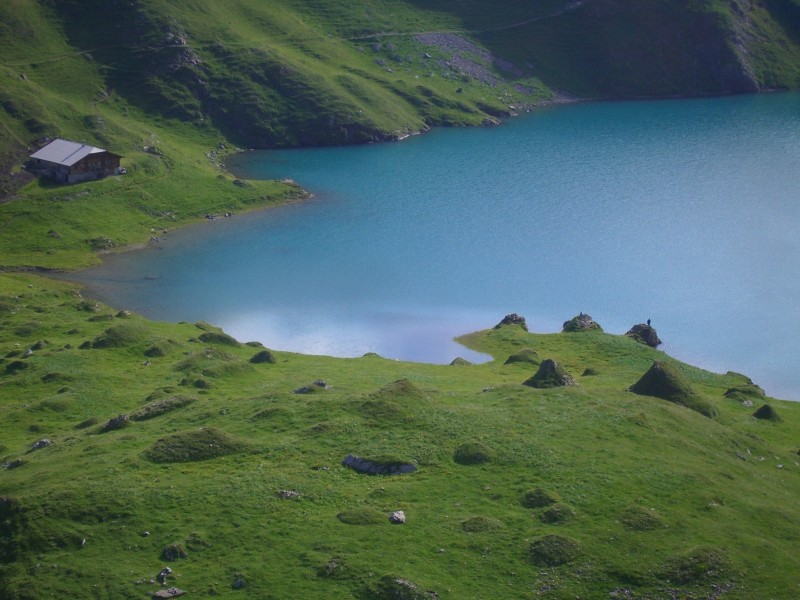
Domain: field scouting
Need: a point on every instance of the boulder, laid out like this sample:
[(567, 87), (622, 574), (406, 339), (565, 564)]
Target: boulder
[(398, 517), (115, 423), (645, 334), (581, 322), (549, 375), (379, 466), (513, 319), (39, 444)]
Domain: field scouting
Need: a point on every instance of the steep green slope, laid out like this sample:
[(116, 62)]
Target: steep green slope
[(229, 471)]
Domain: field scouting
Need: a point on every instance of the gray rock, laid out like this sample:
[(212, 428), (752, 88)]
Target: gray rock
[(398, 517), (43, 443), (370, 467), (644, 333)]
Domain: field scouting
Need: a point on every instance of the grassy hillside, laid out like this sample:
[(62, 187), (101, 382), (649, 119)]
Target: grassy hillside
[(230, 472), (128, 446)]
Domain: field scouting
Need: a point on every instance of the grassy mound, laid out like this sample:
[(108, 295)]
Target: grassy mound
[(402, 389), (263, 357), (638, 518), (213, 337), (473, 453), (190, 446), (538, 498), (581, 322), (525, 356), (664, 380), (156, 408), (390, 587), (699, 565), (121, 336), (556, 514), (553, 551), (480, 524), (767, 413), (161, 348), (746, 393)]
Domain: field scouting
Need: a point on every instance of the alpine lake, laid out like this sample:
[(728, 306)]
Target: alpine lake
[(686, 212)]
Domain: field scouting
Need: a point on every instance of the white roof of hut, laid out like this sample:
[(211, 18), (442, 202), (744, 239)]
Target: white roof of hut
[(64, 152)]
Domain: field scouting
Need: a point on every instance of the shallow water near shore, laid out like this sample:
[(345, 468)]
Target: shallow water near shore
[(682, 211)]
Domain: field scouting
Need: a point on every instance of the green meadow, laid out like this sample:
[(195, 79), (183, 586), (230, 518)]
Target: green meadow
[(130, 446)]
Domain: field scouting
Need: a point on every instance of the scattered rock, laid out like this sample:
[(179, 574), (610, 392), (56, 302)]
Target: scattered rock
[(513, 319), (390, 587), (645, 334), (289, 494), (767, 413), (378, 466), (550, 375), (172, 592), (313, 388), (581, 323), (43, 443), (398, 517), (163, 574)]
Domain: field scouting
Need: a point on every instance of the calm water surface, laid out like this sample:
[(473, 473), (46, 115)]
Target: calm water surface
[(685, 212)]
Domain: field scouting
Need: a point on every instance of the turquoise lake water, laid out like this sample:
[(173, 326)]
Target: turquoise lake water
[(686, 212)]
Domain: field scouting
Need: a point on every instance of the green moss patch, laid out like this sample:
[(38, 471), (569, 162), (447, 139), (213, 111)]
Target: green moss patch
[(196, 445), (553, 550)]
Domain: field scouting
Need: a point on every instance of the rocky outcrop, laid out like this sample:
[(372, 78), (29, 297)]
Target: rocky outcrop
[(513, 319), (581, 322), (645, 334), (550, 375)]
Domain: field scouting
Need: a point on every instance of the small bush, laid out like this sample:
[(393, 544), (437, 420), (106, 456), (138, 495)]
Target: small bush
[(553, 550), (538, 498), (473, 453)]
